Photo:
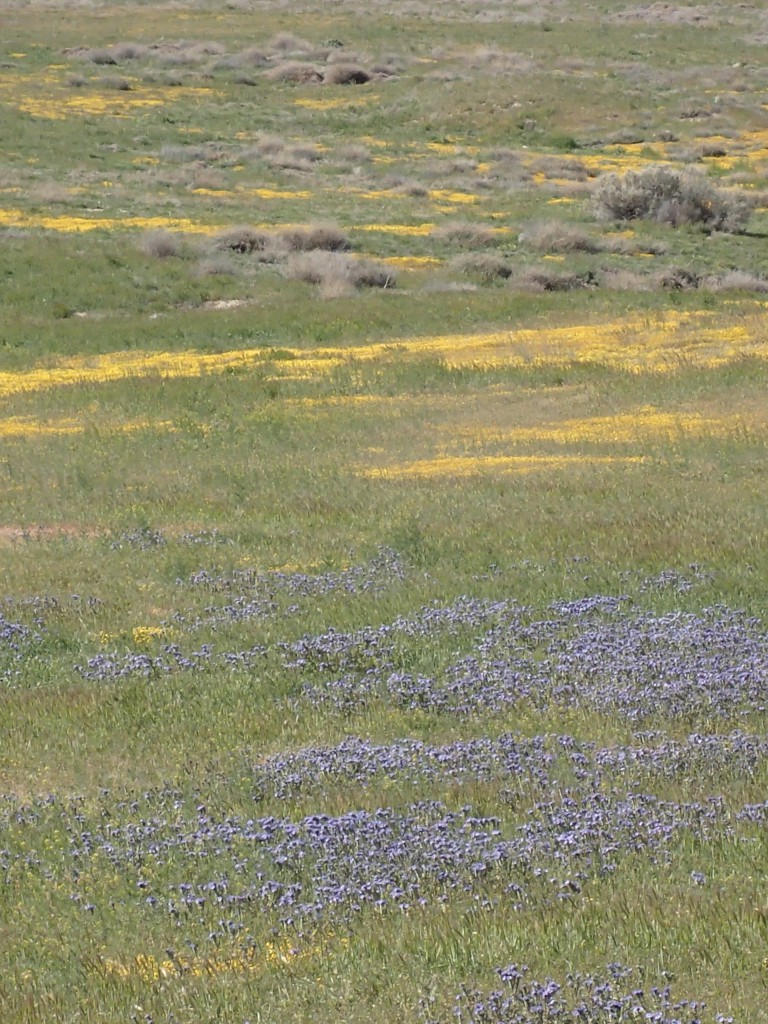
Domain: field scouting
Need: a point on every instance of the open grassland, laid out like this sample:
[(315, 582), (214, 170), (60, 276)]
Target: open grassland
[(383, 434)]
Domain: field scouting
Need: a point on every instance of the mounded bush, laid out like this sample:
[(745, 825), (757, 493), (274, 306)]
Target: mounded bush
[(668, 196)]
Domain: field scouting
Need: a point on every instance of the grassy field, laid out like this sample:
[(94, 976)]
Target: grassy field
[(383, 431)]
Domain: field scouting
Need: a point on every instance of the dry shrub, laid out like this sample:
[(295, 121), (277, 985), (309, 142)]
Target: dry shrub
[(327, 237), (345, 74), (113, 82), (560, 167), (352, 154), (542, 279), (129, 51), (483, 265), (252, 57), (668, 196), (735, 280), (198, 51), (294, 71), (160, 244), (337, 274), (555, 236), (622, 280), (100, 56), (76, 81), (413, 189), (267, 145), (678, 279), (179, 154), (243, 240), (215, 266), (295, 158), (465, 233), (287, 42)]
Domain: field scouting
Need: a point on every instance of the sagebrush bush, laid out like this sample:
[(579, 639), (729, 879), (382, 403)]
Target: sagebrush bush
[(160, 244), (242, 239), (667, 196), (346, 74), (337, 273), (314, 236), (466, 233), (483, 265)]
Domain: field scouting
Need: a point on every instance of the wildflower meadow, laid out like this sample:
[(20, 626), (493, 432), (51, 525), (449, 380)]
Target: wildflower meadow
[(383, 436)]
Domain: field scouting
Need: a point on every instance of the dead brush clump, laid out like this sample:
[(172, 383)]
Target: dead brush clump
[(557, 237), (287, 42), (129, 51), (101, 55), (735, 280), (486, 266), (668, 196), (251, 57), (346, 74), (115, 83), (180, 154), (678, 279), (300, 157), (338, 274), (410, 188), (242, 240), (295, 72), (352, 154), (561, 168), (466, 233), (542, 279), (618, 279), (161, 244), (327, 237)]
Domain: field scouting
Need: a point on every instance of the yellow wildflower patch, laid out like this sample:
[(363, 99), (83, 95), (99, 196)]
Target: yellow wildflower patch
[(335, 102), (250, 960), (143, 635), (468, 465), (27, 427), (16, 218), (644, 424), (635, 344), (447, 196)]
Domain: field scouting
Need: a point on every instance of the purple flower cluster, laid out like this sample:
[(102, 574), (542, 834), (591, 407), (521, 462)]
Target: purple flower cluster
[(384, 568), (255, 595), (17, 641), (141, 538), (104, 667), (376, 647), (594, 654), (408, 761), (621, 995), (535, 760), (325, 866)]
